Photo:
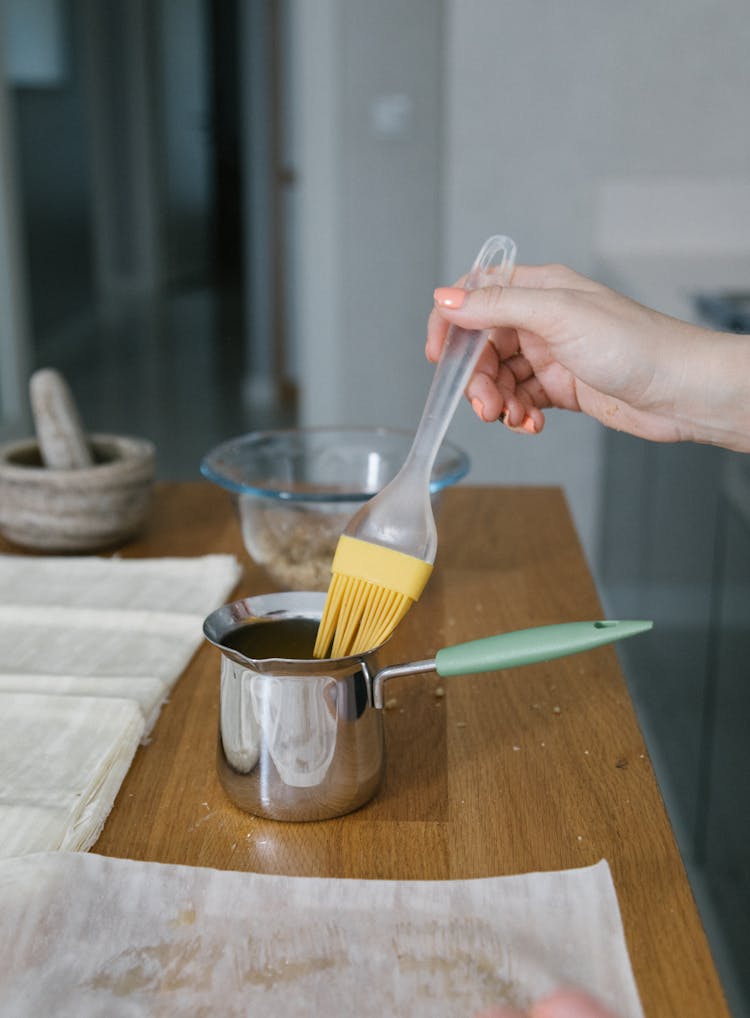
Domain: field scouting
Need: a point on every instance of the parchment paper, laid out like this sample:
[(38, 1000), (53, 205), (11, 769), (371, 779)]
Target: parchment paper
[(85, 935)]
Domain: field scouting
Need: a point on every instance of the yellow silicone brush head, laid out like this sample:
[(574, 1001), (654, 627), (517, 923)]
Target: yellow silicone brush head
[(372, 588)]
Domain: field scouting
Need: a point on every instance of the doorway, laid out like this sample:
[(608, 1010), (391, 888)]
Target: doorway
[(139, 171)]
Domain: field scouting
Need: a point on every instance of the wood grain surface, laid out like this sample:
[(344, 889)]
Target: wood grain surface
[(536, 768)]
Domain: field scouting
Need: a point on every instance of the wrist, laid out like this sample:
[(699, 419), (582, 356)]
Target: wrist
[(720, 414)]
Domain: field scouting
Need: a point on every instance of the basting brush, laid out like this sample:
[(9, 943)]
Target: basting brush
[(385, 556)]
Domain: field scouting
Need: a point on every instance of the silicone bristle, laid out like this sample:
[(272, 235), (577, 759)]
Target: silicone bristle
[(358, 616)]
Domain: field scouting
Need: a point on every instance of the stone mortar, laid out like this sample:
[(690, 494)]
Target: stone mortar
[(77, 510)]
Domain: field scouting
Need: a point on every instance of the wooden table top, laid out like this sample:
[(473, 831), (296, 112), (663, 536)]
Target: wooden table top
[(535, 768)]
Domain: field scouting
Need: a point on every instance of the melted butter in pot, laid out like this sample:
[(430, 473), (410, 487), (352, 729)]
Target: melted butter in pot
[(279, 638)]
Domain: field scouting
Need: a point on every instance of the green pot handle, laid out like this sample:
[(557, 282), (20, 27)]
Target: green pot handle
[(527, 646)]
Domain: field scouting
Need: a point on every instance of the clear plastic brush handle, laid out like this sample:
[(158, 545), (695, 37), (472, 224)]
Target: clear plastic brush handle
[(400, 515), (460, 354)]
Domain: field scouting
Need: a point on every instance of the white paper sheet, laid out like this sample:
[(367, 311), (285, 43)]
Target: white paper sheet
[(86, 936)]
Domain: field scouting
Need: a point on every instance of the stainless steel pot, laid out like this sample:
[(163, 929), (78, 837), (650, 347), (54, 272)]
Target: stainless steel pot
[(302, 739)]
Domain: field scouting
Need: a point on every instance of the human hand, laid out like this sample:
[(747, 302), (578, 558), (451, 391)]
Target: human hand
[(561, 1004), (558, 339)]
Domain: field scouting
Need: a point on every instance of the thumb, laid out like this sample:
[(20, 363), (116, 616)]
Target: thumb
[(491, 307)]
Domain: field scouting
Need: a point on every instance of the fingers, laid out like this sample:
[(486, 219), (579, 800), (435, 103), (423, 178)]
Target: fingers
[(505, 341), (498, 398), (507, 389), (503, 385), (437, 330), (486, 398), (561, 1004), (570, 1004)]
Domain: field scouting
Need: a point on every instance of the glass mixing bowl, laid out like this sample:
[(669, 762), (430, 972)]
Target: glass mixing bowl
[(296, 490)]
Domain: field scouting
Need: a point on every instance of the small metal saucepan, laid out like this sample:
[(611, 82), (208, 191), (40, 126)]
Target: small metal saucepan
[(302, 738)]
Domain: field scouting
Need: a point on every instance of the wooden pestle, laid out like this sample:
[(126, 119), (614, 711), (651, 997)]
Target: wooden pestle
[(63, 444)]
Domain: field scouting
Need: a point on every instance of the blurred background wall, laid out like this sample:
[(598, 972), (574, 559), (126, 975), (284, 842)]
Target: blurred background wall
[(218, 215)]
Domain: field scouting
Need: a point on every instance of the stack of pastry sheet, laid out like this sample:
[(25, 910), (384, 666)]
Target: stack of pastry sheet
[(89, 651)]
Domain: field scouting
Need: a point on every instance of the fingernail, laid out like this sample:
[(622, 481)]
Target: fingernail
[(449, 296), (478, 407), (528, 425)]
